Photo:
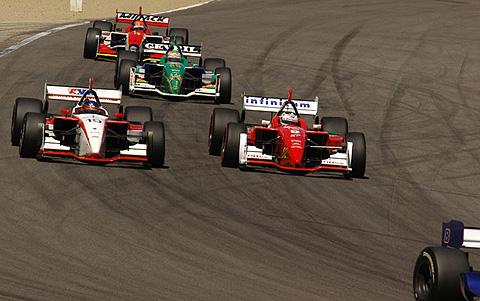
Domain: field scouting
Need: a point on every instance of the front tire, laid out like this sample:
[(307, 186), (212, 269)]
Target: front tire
[(436, 276), (155, 139), (225, 88), (219, 119), (32, 135), (22, 106), (213, 63), (231, 144), (92, 42), (103, 25), (359, 154), (124, 75), (123, 55)]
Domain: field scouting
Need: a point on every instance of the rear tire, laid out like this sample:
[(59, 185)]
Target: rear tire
[(231, 144), (155, 133), (181, 33), (103, 25), (359, 154), (218, 121), (22, 106), (92, 42), (338, 125), (123, 55), (225, 85), (138, 114), (32, 135), (436, 276), (124, 75), (213, 63)]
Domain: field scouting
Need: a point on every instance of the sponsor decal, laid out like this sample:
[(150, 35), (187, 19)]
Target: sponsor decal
[(285, 152), (127, 16), (274, 102), (77, 91), (164, 47)]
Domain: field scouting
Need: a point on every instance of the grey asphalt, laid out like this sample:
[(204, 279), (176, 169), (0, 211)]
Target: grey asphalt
[(403, 72)]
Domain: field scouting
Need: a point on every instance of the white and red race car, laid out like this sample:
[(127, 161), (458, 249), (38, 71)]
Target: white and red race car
[(105, 39), (87, 132)]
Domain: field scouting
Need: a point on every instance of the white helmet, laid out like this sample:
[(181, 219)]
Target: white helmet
[(288, 118)]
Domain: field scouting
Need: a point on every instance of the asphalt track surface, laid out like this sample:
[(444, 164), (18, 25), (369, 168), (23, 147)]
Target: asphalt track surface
[(403, 72)]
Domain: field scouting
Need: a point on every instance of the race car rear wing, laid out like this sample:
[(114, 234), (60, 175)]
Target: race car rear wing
[(150, 20), (457, 236), (162, 48), (272, 105), (75, 94)]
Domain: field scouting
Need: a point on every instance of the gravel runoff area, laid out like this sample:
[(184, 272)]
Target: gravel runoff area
[(21, 19)]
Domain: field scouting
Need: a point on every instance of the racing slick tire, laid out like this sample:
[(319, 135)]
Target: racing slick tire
[(123, 55), (218, 121), (213, 63), (124, 75), (359, 154), (22, 106), (155, 139), (436, 276), (103, 25), (31, 135), (138, 114), (181, 33), (225, 85), (92, 41), (231, 144), (338, 125)]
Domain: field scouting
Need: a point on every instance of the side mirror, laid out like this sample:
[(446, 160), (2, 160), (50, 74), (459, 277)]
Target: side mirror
[(65, 112), (118, 115)]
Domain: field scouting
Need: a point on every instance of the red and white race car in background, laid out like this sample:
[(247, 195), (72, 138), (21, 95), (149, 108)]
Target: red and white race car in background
[(86, 135), (105, 39), (290, 147)]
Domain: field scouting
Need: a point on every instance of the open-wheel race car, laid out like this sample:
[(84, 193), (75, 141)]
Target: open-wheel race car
[(444, 273), (285, 142), (87, 132), (165, 69), (106, 40)]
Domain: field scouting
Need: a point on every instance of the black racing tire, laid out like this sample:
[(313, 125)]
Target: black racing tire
[(92, 42), (436, 276), (123, 55), (359, 154), (124, 75), (32, 135), (337, 125), (181, 33), (225, 85), (155, 139), (138, 114), (218, 121), (103, 25), (213, 63), (231, 144), (21, 107)]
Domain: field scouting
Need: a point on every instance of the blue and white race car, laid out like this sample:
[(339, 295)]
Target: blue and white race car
[(444, 273)]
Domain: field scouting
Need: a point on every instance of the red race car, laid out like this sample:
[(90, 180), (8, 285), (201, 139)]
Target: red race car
[(285, 142), (105, 39)]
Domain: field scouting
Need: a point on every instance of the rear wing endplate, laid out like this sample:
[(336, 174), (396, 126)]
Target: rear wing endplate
[(150, 20), (457, 236), (67, 93), (162, 48), (272, 105)]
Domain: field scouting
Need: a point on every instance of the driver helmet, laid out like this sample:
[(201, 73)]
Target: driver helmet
[(139, 25), (174, 56), (90, 106), (288, 118)]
